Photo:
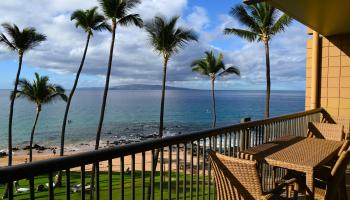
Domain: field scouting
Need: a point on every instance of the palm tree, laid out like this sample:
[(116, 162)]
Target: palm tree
[(40, 92), (21, 42), (262, 21), (167, 40), (89, 20), (118, 12), (213, 67)]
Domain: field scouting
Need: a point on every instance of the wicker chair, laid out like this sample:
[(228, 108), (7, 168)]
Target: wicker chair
[(238, 179), (329, 183), (346, 123), (326, 131)]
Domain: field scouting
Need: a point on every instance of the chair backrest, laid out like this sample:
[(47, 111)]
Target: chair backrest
[(345, 122), (235, 178), (337, 175), (327, 131)]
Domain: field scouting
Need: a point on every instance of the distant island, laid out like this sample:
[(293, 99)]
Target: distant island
[(138, 87)]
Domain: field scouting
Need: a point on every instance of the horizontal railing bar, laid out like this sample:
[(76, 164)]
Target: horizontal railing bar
[(22, 171)]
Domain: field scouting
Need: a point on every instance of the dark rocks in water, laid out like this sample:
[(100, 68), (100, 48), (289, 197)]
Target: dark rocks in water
[(36, 147), (3, 154), (109, 133), (150, 136), (15, 149)]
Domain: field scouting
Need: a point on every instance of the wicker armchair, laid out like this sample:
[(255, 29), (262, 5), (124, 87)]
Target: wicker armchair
[(346, 123), (329, 183), (238, 179), (326, 131)]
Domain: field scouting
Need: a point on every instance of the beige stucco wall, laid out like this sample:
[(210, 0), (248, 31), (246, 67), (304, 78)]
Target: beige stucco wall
[(334, 75)]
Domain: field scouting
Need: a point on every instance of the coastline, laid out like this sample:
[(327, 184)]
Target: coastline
[(20, 157)]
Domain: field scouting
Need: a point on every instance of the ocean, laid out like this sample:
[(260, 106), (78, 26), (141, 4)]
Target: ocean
[(134, 113)]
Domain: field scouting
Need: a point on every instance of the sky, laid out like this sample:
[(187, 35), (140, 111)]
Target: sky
[(135, 62)]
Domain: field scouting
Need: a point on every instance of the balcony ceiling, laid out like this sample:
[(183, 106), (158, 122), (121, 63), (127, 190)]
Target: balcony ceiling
[(328, 17)]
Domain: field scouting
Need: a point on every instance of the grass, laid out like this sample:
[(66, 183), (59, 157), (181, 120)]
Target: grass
[(60, 193)]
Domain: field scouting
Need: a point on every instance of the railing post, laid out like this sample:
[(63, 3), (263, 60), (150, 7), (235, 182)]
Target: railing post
[(245, 136)]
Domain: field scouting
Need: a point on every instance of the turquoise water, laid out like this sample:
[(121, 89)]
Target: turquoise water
[(136, 112)]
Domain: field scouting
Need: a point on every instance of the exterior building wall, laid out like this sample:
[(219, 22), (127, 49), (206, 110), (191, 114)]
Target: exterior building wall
[(334, 75)]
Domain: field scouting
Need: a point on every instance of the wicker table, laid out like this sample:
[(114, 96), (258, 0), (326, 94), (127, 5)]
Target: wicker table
[(295, 153)]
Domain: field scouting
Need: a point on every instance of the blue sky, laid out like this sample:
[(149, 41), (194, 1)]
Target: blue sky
[(134, 60)]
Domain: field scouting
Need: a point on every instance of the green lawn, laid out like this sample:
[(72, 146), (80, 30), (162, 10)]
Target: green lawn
[(75, 179)]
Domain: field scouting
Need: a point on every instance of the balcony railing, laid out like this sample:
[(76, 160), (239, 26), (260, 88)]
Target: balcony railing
[(182, 169)]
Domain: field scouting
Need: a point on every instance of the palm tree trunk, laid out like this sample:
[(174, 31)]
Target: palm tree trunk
[(11, 109), (162, 102), (20, 58), (161, 120), (105, 93), (103, 107), (32, 134), (213, 101), (268, 80), (69, 100)]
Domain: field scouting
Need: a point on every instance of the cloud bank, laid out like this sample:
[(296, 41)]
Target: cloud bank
[(134, 59)]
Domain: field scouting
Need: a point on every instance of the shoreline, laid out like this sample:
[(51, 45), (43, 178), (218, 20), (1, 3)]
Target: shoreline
[(21, 156)]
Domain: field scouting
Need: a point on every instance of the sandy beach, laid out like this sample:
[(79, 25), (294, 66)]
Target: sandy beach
[(21, 156)]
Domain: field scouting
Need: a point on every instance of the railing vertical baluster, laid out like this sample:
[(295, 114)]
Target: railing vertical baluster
[(230, 145), (97, 175), (185, 171), (51, 192), (67, 184), (197, 170), (203, 165), (122, 177), (10, 190), (110, 179), (133, 176), (191, 177), (152, 173), (234, 144), (220, 143), (225, 144), (31, 188), (169, 171), (82, 180), (143, 186), (161, 166), (177, 171), (209, 169)]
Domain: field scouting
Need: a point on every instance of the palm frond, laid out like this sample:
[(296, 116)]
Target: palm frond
[(231, 70), (239, 12), (211, 65), (40, 91), (281, 24), (165, 37), (6, 42), (132, 19), (246, 34), (90, 20)]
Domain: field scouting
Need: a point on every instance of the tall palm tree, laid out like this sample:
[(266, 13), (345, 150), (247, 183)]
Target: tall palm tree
[(118, 12), (40, 92), (262, 21), (20, 41), (213, 67), (167, 39), (89, 20)]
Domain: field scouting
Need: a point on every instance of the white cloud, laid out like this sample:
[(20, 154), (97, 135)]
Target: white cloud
[(134, 59)]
